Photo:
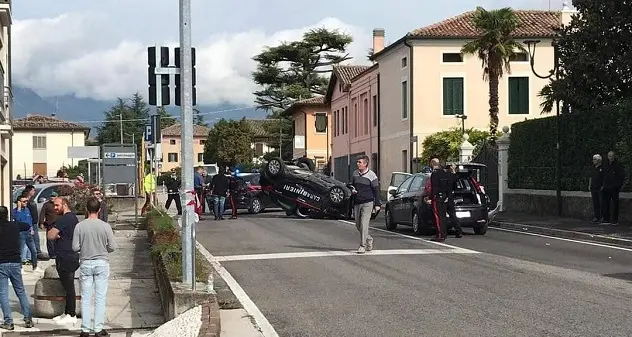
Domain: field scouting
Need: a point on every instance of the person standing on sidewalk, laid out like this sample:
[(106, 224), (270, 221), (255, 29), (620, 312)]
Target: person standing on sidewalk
[(32, 206), (172, 183), (21, 213), (613, 179), (595, 186), (103, 211), (47, 218), (366, 192), (10, 269), (67, 261), (94, 240)]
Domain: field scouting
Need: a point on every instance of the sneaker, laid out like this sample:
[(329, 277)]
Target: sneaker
[(102, 333), (7, 326), (28, 323), (67, 320), (369, 245), (361, 250), (57, 318)]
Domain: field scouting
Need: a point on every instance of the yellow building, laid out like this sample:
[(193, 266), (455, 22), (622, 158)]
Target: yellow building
[(311, 130), (172, 146)]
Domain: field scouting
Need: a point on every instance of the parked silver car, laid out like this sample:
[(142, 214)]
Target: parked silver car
[(42, 193)]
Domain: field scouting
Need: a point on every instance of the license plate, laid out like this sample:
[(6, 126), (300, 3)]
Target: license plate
[(463, 214)]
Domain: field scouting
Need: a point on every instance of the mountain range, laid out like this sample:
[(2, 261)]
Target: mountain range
[(87, 110)]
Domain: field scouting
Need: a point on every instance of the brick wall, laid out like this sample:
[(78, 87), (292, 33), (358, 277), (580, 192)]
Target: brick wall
[(211, 326)]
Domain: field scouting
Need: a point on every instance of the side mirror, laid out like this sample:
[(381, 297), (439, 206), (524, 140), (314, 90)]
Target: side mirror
[(392, 192)]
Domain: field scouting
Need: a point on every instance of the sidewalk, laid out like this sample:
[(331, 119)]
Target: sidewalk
[(132, 301), (565, 227)]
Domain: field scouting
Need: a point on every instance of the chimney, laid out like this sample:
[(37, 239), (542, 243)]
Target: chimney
[(53, 115), (378, 40)]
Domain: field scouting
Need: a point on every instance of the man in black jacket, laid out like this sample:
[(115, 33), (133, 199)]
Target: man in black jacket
[(10, 269), (454, 221), (172, 183), (221, 186), (594, 186), (613, 179)]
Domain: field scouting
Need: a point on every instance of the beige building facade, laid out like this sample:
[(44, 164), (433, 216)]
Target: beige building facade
[(171, 145), (6, 102)]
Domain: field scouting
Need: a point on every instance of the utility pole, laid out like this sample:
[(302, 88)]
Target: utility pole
[(186, 76), (121, 121)]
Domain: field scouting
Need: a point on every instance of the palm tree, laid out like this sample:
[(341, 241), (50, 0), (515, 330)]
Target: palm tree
[(494, 48)]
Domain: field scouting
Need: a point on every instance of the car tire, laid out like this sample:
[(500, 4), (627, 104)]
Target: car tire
[(388, 220), (301, 212), (480, 230), (306, 163), (336, 195), (418, 227), (255, 206), (275, 167)]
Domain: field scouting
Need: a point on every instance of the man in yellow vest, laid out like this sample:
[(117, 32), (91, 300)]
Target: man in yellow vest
[(149, 186)]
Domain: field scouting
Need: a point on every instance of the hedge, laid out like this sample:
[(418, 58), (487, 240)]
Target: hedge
[(532, 148)]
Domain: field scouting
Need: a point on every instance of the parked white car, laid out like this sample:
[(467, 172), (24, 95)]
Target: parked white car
[(397, 178), (42, 193)]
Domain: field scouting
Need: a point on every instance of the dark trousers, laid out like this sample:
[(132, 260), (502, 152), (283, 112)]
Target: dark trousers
[(233, 208), (439, 210), (200, 195), (175, 197), (610, 201), (454, 221), (36, 238), (66, 267), (596, 202)]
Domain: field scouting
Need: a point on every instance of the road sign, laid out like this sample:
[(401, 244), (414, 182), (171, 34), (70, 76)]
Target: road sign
[(148, 134), (119, 155)]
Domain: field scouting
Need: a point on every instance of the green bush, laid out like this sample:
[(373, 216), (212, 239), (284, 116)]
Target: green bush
[(446, 145), (532, 152)]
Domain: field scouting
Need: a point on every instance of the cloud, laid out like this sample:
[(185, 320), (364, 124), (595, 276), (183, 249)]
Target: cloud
[(70, 54)]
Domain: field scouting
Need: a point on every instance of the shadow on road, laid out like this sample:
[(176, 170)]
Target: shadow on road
[(620, 276)]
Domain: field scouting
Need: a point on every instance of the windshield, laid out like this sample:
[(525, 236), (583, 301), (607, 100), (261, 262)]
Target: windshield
[(19, 191), (251, 178)]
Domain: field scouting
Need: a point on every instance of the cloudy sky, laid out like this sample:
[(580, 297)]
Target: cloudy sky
[(97, 49)]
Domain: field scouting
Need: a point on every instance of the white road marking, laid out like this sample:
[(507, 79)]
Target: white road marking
[(563, 239), (416, 238), (294, 255)]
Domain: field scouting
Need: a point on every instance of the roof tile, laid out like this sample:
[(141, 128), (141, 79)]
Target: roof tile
[(347, 72), (532, 23), (175, 131), (41, 122)]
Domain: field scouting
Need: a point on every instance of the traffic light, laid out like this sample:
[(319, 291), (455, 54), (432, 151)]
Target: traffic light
[(177, 79), (164, 79)]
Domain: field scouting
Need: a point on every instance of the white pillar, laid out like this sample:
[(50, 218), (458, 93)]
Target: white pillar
[(503, 156), (467, 150)]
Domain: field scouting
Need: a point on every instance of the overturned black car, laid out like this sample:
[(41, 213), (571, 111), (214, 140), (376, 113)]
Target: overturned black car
[(297, 189)]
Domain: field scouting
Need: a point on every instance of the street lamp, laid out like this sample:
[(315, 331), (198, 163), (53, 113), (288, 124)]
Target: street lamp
[(558, 154), (462, 118)]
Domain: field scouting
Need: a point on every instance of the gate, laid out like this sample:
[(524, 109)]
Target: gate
[(488, 156)]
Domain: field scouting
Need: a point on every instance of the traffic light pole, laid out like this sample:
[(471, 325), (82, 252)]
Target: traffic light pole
[(186, 75)]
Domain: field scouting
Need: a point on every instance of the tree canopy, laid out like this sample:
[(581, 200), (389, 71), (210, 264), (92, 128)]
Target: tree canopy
[(446, 145), (495, 47), (595, 57), (292, 71), (228, 143)]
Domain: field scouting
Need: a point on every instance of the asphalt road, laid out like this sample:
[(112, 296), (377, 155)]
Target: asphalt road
[(303, 276)]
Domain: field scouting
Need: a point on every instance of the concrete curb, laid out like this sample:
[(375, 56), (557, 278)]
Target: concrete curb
[(605, 239)]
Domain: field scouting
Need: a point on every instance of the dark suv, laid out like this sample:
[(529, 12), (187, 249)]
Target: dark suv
[(408, 208)]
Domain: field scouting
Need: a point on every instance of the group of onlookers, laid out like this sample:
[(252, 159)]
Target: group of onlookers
[(74, 245), (605, 184)]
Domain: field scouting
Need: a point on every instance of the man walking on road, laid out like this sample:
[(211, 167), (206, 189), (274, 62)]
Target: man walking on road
[(67, 261), (172, 183), (595, 186), (367, 200), (438, 190), (94, 240), (10, 269), (613, 179), (221, 186)]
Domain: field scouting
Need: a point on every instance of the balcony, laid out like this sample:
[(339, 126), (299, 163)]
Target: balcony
[(5, 13)]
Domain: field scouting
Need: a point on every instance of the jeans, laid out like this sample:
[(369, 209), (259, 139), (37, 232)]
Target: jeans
[(94, 275), (13, 272), (218, 206), (36, 239), (67, 265), (28, 244)]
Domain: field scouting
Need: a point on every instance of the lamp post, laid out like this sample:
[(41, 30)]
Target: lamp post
[(462, 118), (558, 151)]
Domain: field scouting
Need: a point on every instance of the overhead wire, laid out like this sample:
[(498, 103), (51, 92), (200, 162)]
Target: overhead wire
[(162, 117)]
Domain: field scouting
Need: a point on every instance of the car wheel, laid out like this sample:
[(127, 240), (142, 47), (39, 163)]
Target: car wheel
[(302, 212), (255, 206), (480, 230), (336, 195), (388, 220), (417, 228), (306, 163), (275, 167)]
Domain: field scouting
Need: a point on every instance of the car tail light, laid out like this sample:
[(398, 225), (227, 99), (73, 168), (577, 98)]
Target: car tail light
[(479, 188), (254, 187)]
